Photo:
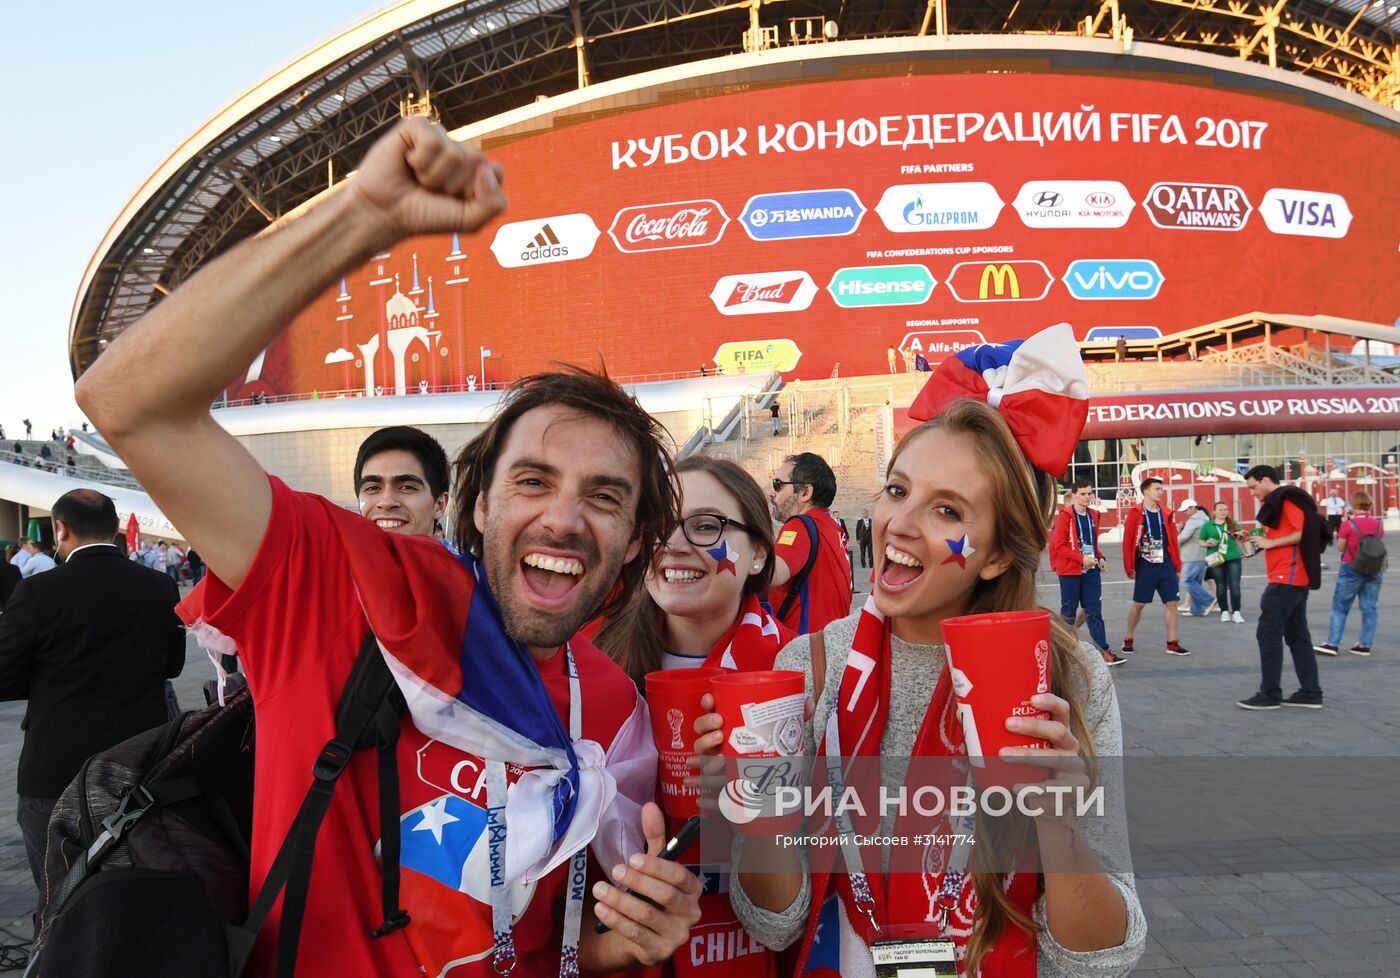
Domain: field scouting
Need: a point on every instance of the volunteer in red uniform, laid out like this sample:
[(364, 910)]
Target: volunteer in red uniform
[(811, 573), (554, 503), (701, 608)]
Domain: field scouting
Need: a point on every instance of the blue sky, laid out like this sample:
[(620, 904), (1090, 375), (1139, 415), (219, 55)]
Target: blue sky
[(99, 95)]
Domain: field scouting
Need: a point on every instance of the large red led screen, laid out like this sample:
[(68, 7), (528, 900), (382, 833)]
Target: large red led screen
[(806, 219)]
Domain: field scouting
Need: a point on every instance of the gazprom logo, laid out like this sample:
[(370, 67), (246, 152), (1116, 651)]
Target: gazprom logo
[(1114, 278)]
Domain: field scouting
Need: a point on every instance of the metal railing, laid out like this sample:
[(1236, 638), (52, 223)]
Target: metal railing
[(95, 473)]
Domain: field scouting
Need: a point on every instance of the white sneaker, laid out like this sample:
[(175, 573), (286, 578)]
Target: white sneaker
[(1224, 616), (1237, 618)]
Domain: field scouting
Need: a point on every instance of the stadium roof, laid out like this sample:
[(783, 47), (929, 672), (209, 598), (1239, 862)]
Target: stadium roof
[(303, 128)]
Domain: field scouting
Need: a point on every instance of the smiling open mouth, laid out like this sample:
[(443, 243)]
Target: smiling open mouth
[(549, 576), (899, 569)]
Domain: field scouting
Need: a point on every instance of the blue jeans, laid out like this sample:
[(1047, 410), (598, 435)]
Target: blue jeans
[(1193, 572), (1349, 585), (1227, 584), (1085, 589)]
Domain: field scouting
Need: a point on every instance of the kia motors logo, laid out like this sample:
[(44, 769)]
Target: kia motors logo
[(1073, 204), (663, 227), (1198, 206), (1000, 281), (763, 292), (567, 237), (1310, 213)]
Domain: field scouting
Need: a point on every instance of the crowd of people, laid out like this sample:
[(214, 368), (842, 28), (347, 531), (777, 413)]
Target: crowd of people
[(523, 595)]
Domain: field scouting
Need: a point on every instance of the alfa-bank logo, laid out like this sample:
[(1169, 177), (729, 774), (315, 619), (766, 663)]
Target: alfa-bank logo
[(763, 292), (663, 227)]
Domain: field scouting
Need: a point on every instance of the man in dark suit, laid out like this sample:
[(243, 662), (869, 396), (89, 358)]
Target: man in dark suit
[(863, 538), (89, 645), (9, 577)]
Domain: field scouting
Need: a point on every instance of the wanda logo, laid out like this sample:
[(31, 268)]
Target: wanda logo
[(1100, 199), (660, 227)]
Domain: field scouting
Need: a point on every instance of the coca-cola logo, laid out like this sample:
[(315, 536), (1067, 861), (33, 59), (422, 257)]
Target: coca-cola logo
[(659, 227)]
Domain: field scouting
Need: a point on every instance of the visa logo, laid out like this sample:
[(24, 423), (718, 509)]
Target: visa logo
[(1113, 278), (1308, 212)]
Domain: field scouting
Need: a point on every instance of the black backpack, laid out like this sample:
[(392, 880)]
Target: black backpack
[(1369, 559), (147, 866)]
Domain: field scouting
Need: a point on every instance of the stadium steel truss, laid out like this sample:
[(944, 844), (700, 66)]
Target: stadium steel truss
[(305, 127)]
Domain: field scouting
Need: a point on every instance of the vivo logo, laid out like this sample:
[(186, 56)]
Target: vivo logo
[(1110, 278)]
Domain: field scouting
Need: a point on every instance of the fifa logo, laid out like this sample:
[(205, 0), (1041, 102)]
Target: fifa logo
[(674, 718), (1042, 665)]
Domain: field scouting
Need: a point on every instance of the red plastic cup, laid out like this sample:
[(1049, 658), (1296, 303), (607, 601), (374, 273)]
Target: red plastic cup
[(673, 699), (764, 740), (998, 662)]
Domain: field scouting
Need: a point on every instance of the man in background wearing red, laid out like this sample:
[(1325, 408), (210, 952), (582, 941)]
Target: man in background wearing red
[(811, 573)]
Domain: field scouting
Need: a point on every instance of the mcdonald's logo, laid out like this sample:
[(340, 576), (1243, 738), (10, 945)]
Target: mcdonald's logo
[(999, 277), (1006, 281)]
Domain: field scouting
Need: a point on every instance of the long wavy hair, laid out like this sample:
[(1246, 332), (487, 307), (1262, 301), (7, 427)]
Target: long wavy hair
[(1023, 502), (633, 637)]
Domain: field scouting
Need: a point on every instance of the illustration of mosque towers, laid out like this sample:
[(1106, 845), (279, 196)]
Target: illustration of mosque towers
[(406, 353)]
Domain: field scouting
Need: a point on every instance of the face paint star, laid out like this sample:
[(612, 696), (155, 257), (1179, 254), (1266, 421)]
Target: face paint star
[(960, 550), (724, 558)]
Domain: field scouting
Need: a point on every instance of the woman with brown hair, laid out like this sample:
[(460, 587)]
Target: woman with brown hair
[(959, 529), (700, 607)]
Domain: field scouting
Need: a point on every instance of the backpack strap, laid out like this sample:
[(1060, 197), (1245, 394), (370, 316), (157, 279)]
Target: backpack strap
[(369, 696), (817, 652), (797, 585)]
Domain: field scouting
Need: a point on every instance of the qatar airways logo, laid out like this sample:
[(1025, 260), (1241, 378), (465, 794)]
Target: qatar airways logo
[(762, 292), (663, 227)]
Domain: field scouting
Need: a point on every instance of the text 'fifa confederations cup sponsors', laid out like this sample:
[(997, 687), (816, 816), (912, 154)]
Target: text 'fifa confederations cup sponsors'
[(914, 207), (755, 293), (1310, 213), (881, 285), (1197, 206), (1074, 204), (663, 227), (1114, 278), (566, 237), (802, 214)]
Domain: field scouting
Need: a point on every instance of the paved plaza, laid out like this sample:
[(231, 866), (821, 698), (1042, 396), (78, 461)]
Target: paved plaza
[(1276, 884)]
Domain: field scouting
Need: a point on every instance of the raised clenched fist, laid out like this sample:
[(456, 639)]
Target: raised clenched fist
[(420, 180)]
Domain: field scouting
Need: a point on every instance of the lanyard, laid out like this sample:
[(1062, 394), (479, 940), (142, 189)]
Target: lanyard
[(503, 959), (954, 877), (1086, 532), (1147, 524)]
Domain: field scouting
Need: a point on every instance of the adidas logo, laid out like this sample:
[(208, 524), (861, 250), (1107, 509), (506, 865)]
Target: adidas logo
[(545, 244)]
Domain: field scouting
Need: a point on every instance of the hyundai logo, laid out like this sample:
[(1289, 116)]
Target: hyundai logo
[(1048, 198)]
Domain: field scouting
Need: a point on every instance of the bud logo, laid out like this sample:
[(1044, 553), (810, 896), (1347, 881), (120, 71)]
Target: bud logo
[(567, 237), (1306, 212), (1073, 204), (1114, 278), (913, 207), (881, 285), (1198, 206), (760, 292), (802, 214), (662, 227), (1006, 281)]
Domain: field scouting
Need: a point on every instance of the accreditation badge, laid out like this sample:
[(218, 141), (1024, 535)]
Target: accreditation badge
[(915, 958)]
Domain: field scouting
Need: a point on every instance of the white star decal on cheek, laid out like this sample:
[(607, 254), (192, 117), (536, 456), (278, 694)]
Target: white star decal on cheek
[(434, 818)]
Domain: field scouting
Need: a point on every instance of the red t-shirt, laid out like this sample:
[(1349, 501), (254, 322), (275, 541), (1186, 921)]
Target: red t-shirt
[(1369, 527), (298, 626), (1285, 564), (829, 584)]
